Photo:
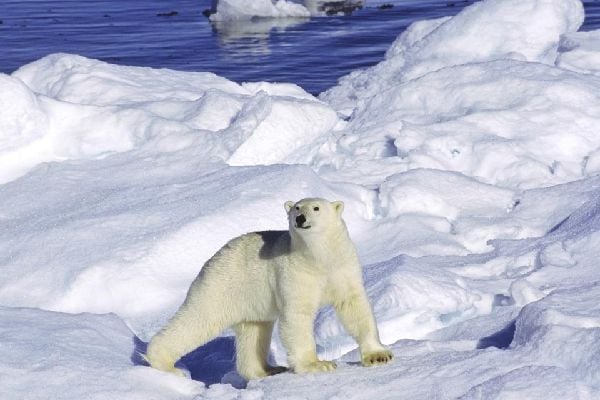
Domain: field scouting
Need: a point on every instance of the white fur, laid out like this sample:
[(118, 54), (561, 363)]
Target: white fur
[(260, 277)]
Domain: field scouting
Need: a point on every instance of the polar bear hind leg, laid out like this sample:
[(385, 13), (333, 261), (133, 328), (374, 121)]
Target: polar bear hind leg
[(187, 330)]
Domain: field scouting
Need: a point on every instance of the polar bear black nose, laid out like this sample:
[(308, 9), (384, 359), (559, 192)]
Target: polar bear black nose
[(300, 220)]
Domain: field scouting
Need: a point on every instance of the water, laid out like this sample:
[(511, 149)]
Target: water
[(313, 53)]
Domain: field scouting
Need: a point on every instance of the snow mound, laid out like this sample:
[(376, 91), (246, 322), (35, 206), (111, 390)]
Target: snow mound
[(78, 108), (497, 110), (484, 31), (62, 356), (580, 51), (468, 215), (564, 329)]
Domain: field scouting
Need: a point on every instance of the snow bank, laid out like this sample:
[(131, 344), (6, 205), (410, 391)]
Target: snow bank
[(569, 316), (464, 95), (511, 123), (468, 216), (484, 31), (60, 356), (75, 108), (579, 51)]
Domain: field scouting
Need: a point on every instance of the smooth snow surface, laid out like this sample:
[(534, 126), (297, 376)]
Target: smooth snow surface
[(468, 160)]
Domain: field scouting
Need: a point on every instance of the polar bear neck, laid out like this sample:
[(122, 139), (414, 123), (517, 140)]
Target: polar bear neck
[(319, 246)]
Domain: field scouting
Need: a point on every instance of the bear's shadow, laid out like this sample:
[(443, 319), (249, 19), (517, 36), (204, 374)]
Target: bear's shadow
[(208, 363)]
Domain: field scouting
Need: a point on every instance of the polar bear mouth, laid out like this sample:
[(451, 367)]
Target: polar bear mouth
[(303, 227)]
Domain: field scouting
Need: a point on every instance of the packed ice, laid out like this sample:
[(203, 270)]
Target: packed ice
[(243, 10), (228, 10), (468, 160)]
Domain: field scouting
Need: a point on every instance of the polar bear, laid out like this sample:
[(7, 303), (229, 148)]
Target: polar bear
[(260, 277)]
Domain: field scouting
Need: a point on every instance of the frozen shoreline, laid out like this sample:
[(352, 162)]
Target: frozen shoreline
[(468, 160)]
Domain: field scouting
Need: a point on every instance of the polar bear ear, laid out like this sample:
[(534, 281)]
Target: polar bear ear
[(338, 206), (288, 206)]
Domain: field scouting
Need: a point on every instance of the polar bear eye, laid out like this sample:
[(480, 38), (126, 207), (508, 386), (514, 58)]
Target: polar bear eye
[(297, 208), (316, 208)]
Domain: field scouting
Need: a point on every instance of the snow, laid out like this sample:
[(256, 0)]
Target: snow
[(228, 11), (232, 10), (484, 31), (62, 113), (578, 51), (468, 161), (78, 353), (466, 95)]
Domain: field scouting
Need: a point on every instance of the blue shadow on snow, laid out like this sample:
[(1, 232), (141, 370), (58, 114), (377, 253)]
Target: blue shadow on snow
[(208, 363), (501, 339)]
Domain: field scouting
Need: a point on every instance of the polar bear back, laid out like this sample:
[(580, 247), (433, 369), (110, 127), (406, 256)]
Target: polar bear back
[(242, 273)]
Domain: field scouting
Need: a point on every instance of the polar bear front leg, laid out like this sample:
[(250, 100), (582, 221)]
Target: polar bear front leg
[(357, 317), (296, 328), (252, 349), (296, 331)]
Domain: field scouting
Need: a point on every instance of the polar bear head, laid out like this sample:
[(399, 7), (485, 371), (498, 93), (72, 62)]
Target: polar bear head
[(314, 215)]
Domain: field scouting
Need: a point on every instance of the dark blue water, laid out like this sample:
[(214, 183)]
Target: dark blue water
[(313, 53)]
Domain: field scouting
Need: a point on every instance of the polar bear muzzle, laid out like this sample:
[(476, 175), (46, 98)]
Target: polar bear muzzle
[(300, 220)]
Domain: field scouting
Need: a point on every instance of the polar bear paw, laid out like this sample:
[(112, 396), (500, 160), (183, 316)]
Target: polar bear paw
[(260, 372), (377, 357), (316, 366), (275, 370)]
